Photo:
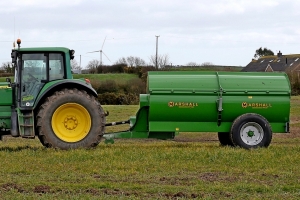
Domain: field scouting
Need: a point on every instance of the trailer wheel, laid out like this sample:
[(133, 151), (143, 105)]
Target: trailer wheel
[(251, 131), (225, 139), (70, 119)]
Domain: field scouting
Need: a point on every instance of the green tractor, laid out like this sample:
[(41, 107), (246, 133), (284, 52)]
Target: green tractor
[(45, 101)]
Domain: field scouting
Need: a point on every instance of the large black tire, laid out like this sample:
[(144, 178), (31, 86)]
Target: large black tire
[(225, 139), (70, 119), (251, 131)]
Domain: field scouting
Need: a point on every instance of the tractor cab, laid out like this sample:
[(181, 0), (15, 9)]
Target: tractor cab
[(34, 68)]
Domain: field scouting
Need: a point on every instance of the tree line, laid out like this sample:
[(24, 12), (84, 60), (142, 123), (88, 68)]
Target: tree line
[(124, 64)]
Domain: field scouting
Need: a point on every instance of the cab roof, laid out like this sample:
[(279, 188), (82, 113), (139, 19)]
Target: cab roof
[(44, 49)]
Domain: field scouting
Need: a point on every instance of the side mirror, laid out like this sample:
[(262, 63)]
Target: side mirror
[(13, 56), (72, 54)]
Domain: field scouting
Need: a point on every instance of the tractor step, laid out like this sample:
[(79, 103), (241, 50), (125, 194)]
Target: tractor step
[(26, 124)]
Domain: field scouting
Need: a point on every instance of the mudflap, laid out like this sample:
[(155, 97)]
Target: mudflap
[(14, 130)]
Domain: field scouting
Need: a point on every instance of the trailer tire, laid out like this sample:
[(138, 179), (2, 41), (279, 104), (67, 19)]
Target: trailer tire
[(251, 131), (225, 139), (69, 119)]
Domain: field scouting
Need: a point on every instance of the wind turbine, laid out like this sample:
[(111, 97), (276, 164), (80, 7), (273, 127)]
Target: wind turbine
[(101, 52)]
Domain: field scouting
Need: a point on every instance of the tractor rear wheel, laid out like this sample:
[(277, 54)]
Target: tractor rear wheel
[(70, 119)]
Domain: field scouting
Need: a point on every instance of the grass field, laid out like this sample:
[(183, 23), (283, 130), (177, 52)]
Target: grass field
[(192, 166)]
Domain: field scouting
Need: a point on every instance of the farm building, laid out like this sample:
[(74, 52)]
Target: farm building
[(289, 64), (277, 63)]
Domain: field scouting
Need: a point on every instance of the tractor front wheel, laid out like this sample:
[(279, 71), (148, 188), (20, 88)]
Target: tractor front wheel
[(70, 119)]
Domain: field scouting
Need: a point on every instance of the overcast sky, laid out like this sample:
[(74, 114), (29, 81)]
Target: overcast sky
[(223, 32)]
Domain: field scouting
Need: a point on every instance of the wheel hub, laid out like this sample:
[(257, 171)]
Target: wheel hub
[(251, 133), (70, 122)]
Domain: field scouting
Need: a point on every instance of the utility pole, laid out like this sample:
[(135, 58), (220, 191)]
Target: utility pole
[(156, 51), (80, 62)]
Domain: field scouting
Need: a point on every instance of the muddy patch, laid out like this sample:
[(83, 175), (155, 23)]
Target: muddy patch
[(12, 186), (41, 189)]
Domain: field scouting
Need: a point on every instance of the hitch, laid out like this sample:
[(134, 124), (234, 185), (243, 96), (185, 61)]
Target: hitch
[(117, 123), (109, 137)]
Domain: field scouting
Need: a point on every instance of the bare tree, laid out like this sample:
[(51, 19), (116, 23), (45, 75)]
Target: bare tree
[(121, 61), (207, 64), (75, 66), (193, 64), (92, 66), (131, 61), (139, 62), (162, 60), (7, 67), (152, 60)]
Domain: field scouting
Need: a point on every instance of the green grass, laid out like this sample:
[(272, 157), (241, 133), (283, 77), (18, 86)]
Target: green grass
[(193, 165), (3, 79)]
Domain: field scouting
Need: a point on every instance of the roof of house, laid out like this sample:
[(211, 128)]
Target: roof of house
[(276, 63)]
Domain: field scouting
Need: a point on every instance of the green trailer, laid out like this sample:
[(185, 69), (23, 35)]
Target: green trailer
[(243, 108)]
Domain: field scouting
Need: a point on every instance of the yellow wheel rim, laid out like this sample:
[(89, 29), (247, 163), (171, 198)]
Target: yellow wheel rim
[(71, 122)]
